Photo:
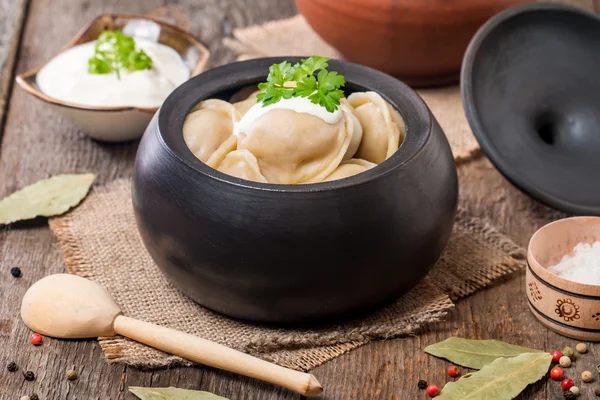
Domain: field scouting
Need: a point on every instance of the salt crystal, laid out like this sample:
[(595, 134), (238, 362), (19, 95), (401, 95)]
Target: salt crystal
[(583, 266)]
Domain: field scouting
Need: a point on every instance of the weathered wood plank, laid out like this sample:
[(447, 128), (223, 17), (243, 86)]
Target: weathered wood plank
[(38, 142), (12, 20)]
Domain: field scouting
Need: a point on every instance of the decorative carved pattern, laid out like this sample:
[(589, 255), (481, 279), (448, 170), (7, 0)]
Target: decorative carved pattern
[(534, 292), (567, 310)]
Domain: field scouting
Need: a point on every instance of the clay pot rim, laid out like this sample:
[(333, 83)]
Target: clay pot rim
[(417, 117), (550, 278), (472, 111)]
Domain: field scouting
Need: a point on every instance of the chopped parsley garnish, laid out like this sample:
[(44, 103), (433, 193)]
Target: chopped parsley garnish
[(286, 81), (115, 51)]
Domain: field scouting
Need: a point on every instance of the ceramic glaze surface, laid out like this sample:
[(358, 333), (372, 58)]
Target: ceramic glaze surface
[(532, 95), (120, 123), (421, 42), (294, 253)]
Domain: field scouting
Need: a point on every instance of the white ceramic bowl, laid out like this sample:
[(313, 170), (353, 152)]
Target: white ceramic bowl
[(118, 124)]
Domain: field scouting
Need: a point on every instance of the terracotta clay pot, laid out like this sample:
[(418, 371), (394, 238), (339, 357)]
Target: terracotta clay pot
[(421, 42)]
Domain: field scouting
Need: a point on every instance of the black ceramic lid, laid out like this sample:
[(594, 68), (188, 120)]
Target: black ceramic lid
[(530, 85)]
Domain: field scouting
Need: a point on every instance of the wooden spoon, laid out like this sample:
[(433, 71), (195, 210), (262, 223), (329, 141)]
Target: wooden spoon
[(71, 307)]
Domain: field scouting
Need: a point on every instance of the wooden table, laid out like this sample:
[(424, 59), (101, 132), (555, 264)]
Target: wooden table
[(37, 142)]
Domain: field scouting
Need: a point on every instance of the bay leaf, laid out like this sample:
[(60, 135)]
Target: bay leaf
[(48, 197), (475, 353), (172, 393), (503, 379)]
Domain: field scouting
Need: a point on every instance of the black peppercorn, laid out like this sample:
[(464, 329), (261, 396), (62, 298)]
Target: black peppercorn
[(16, 272), (34, 397), (12, 367), (597, 392), (567, 394), (422, 384), (29, 376)]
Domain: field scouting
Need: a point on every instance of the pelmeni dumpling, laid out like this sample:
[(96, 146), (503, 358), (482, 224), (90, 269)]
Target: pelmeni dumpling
[(209, 125), (219, 155), (294, 147), (244, 105), (383, 127), (348, 168), (354, 127), (242, 164)]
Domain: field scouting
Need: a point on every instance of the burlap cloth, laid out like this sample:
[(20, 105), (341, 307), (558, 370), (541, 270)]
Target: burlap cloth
[(294, 37), (101, 242)]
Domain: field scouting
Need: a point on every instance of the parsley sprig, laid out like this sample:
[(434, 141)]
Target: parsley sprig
[(322, 89), (115, 51)]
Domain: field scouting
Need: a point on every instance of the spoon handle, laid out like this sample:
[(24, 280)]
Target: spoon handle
[(215, 355)]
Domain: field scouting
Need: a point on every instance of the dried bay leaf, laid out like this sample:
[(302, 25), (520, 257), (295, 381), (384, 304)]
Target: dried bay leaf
[(48, 197), (475, 353), (172, 393), (503, 379)]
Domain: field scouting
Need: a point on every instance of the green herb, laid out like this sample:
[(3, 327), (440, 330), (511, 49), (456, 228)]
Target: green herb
[(115, 51), (475, 353), (286, 81), (503, 379), (172, 393)]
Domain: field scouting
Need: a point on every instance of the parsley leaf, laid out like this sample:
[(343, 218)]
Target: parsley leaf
[(115, 51), (274, 89), (306, 86), (309, 66), (287, 81), (280, 73)]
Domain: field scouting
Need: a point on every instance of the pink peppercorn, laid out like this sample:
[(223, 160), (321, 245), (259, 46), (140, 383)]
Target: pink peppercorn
[(36, 339), (433, 390)]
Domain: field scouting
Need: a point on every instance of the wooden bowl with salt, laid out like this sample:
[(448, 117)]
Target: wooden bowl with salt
[(566, 305)]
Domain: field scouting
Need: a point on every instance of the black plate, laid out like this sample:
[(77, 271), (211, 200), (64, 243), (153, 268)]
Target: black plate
[(531, 90)]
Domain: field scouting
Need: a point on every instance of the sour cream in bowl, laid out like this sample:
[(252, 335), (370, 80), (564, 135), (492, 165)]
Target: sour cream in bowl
[(114, 75), (66, 77)]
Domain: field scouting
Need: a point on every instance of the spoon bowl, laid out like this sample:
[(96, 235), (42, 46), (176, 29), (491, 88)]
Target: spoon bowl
[(69, 307)]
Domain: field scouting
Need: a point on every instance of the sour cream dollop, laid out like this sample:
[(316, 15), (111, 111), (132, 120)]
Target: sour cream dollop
[(298, 104), (66, 78)]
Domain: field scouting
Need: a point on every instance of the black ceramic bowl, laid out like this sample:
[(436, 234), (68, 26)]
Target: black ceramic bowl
[(531, 89), (294, 253)]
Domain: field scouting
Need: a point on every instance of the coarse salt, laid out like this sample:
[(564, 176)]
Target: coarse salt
[(583, 266)]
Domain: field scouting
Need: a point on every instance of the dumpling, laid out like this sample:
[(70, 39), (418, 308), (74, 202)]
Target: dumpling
[(355, 128), (383, 127), (219, 155), (242, 164), (244, 105), (348, 168), (209, 125), (293, 147)]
